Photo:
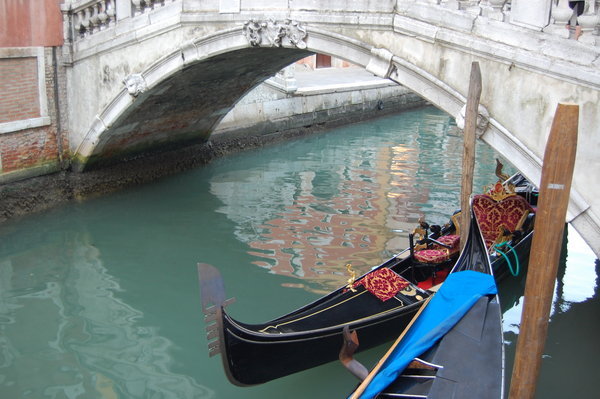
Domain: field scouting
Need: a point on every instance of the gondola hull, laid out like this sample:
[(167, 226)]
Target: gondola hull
[(311, 335), (250, 357), (471, 356)]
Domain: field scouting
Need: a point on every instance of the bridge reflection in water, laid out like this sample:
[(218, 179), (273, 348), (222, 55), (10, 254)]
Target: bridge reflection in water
[(351, 201), (100, 299)]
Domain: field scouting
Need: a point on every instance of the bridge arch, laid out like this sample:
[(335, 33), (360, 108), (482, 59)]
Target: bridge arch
[(194, 89), (195, 86), (131, 124)]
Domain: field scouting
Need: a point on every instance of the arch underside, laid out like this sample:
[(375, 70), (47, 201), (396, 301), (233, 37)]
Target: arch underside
[(189, 97), (184, 108)]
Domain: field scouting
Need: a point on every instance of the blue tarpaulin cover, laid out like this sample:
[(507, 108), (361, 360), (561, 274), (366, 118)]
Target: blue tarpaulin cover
[(456, 296)]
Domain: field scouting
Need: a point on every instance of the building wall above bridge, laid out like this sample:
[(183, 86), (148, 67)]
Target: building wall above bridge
[(29, 23)]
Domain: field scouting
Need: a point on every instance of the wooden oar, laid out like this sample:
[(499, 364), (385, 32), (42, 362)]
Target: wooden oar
[(351, 345), (361, 388), (469, 139), (557, 173)]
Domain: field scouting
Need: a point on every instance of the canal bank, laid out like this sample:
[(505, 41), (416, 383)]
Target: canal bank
[(279, 109)]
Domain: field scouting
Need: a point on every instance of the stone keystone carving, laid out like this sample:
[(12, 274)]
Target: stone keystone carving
[(275, 34), (135, 84), (483, 119)]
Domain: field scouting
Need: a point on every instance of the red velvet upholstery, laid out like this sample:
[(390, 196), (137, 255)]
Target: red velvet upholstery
[(496, 216), (438, 254), (451, 239), (383, 283)]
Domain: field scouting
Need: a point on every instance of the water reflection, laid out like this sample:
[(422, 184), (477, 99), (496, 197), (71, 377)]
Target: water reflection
[(573, 318), (66, 333), (576, 282), (100, 299), (352, 201)]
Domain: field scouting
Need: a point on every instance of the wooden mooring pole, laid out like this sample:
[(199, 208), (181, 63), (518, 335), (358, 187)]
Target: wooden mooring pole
[(469, 141), (557, 173)]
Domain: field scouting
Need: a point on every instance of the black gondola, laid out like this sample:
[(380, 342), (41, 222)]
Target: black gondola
[(377, 305), (468, 359)]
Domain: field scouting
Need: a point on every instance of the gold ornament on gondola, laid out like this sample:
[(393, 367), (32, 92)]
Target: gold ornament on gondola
[(352, 278)]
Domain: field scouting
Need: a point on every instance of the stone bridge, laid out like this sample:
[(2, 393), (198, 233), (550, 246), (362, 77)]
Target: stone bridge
[(150, 74)]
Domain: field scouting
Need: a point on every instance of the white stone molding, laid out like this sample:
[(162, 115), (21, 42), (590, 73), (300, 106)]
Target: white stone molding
[(380, 63), (532, 14), (229, 6), (285, 80), (135, 84), (427, 86), (492, 9), (124, 9), (450, 4), (327, 42), (272, 33)]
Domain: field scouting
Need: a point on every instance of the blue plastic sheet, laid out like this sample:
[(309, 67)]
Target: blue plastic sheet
[(457, 295)]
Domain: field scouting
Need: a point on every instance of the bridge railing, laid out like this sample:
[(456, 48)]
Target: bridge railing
[(84, 18), (550, 16)]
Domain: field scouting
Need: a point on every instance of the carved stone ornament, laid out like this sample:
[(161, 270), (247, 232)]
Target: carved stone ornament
[(275, 34), (380, 63), (483, 119), (135, 84)]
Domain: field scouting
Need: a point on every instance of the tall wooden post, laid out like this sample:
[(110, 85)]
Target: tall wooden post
[(557, 173), (469, 138)]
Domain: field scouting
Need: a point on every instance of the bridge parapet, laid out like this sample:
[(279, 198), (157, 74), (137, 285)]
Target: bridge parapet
[(86, 17), (545, 16)]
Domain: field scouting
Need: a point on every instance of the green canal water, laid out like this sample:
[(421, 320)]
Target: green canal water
[(100, 299)]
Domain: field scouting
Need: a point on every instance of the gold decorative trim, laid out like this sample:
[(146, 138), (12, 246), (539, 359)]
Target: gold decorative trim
[(500, 191), (352, 278)]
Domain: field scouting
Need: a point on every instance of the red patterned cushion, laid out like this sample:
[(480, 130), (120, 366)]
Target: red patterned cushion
[(383, 283), (452, 240), (438, 254), (495, 216), (433, 255)]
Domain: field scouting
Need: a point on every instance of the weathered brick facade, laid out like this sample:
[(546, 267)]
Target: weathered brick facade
[(31, 82), (32, 147), (29, 125), (19, 88)]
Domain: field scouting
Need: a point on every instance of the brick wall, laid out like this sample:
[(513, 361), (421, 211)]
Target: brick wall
[(19, 89), (29, 139), (28, 148)]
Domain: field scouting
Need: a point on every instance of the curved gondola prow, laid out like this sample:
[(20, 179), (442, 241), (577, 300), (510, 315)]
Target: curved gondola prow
[(212, 294), (474, 255)]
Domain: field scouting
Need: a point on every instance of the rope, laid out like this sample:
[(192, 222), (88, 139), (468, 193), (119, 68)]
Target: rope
[(514, 272)]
